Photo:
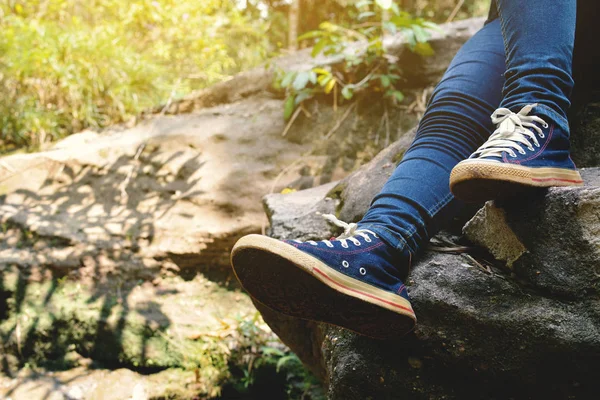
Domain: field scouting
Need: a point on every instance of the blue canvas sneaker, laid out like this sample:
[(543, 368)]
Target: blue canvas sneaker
[(353, 281), (523, 152)]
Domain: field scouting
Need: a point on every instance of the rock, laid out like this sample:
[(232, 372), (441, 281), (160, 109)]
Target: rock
[(560, 231), (83, 384), (111, 322), (529, 332), (586, 140), (489, 229), (174, 186), (301, 217), (369, 180), (115, 245)]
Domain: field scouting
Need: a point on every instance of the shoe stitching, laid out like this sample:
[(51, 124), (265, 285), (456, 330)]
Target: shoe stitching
[(543, 147), (401, 288)]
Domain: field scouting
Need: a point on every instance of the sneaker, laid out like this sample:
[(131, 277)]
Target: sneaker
[(352, 281), (523, 152)]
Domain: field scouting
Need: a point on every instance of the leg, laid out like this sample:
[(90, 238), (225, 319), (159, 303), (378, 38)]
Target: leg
[(416, 200), (355, 281), (530, 147), (539, 37)]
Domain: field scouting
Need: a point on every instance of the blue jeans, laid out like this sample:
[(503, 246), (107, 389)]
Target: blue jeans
[(523, 57)]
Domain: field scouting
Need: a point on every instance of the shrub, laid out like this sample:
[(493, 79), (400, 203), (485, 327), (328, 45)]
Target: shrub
[(66, 64)]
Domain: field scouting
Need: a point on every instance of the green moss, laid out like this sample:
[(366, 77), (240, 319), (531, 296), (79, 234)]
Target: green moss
[(48, 322)]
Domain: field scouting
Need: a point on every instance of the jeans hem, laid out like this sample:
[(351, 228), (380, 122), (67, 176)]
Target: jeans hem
[(393, 239), (553, 114)]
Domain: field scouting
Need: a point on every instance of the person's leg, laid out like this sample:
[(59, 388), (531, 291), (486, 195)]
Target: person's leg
[(356, 281), (539, 39), (531, 145), (416, 200)]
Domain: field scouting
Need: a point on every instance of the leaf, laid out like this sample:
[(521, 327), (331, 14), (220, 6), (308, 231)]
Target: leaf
[(364, 3), (301, 81), (287, 79), (312, 77), (319, 47), (384, 4), (410, 38), (284, 360), (401, 21), (348, 92), (268, 350), (324, 79), (432, 26), (366, 14), (329, 27), (330, 85), (312, 35), (423, 49), (289, 107), (396, 94), (288, 191), (321, 71), (385, 81), (420, 34), (390, 27), (302, 96)]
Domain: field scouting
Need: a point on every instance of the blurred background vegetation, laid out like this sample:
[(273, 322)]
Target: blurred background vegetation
[(66, 65)]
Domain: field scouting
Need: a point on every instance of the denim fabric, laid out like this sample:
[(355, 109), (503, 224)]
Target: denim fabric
[(539, 37), (374, 262), (416, 201)]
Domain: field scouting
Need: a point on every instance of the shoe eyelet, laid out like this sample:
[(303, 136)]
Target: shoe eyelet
[(542, 135), (358, 244), (368, 240), (344, 245), (513, 155), (531, 148), (522, 152), (345, 264), (330, 245), (545, 126), (362, 271)]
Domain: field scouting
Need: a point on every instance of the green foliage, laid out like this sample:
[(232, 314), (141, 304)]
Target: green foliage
[(260, 353), (67, 64), (366, 66)]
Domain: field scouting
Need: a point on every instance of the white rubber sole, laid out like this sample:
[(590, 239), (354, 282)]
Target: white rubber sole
[(476, 180)]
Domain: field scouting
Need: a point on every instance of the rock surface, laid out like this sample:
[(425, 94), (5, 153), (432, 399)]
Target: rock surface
[(83, 384), (560, 235), (114, 246), (485, 331)]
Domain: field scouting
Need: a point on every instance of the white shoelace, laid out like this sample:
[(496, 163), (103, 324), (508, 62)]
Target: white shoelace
[(350, 231), (513, 132)]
